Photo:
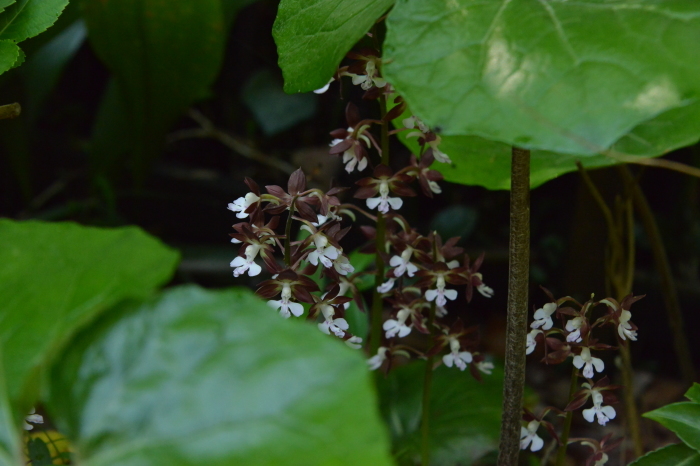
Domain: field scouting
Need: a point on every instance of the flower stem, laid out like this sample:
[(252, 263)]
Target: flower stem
[(377, 301), (427, 388), (561, 454), (668, 286), (288, 235), (518, 284), (630, 405)]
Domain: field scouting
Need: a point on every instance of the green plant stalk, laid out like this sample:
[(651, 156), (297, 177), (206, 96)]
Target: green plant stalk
[(518, 284), (630, 405), (668, 286), (561, 454), (375, 335), (288, 235), (427, 388)]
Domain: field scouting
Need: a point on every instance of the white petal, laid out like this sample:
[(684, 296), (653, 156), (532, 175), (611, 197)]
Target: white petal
[(373, 202), (296, 309), (578, 362), (609, 411), (274, 304), (537, 443), (323, 326), (341, 323), (451, 294), (238, 261), (465, 356), (254, 269), (395, 261), (448, 359), (589, 414), (430, 295), (599, 364), (404, 330), (395, 202)]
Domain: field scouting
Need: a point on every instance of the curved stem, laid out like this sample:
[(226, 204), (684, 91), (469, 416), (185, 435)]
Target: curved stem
[(668, 286), (518, 284), (427, 388), (561, 454)]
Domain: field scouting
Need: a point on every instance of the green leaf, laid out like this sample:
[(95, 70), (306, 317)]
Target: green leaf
[(274, 110), (313, 36), (164, 55), (55, 277), (45, 66), (682, 418), (9, 438), (672, 455), (465, 414), (28, 18), (9, 53), (482, 162), (693, 393), (202, 377), (39, 454), (571, 77)]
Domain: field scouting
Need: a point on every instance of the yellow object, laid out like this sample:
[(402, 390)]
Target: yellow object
[(55, 442)]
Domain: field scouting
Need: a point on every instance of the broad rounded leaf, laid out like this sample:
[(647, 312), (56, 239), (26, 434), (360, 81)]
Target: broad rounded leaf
[(28, 18), (55, 277), (218, 378), (672, 455), (561, 76), (9, 53), (682, 418), (313, 36), (465, 415)]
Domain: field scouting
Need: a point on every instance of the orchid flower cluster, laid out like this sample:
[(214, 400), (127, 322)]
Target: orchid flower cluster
[(575, 339), (421, 269)]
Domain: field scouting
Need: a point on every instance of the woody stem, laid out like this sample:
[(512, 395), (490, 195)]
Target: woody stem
[(516, 330)]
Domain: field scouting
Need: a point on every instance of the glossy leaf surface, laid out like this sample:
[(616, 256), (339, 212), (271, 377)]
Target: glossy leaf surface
[(27, 18), (672, 455), (682, 418), (313, 36), (465, 414), (201, 377), (55, 277), (562, 76)]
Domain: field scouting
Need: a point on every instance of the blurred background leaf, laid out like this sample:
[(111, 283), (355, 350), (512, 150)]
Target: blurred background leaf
[(465, 414), (196, 376), (55, 278)]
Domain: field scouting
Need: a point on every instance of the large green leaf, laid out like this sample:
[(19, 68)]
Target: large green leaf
[(483, 162), (9, 53), (465, 415), (682, 418), (27, 18), (164, 55), (54, 277), (672, 455), (313, 36), (571, 77), (201, 377)]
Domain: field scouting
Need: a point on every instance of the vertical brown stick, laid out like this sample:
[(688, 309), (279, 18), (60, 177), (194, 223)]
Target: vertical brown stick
[(518, 284)]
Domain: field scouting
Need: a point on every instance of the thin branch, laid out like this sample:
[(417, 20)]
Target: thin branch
[(208, 130)]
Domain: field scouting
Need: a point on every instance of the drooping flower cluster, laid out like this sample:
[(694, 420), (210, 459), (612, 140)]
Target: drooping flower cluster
[(575, 339), (421, 271)]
